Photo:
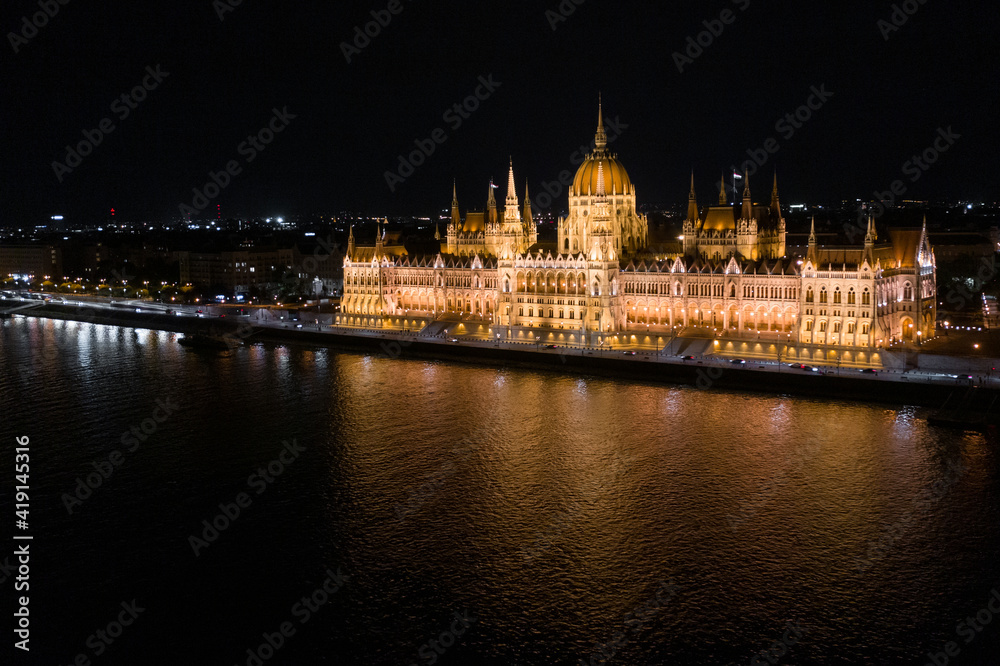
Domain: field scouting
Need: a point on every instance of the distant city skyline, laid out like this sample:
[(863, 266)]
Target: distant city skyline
[(841, 105)]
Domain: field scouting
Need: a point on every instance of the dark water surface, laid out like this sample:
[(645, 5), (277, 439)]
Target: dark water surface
[(557, 514)]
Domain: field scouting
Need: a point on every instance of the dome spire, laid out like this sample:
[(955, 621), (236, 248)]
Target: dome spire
[(601, 139), (511, 192)]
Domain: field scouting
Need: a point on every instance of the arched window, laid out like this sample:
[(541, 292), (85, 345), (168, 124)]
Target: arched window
[(809, 295), (866, 297), (732, 291), (506, 285), (836, 295), (822, 295), (531, 312), (907, 292), (864, 329), (566, 244), (851, 297), (677, 288)]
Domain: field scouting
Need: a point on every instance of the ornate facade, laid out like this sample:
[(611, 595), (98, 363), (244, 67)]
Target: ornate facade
[(733, 276)]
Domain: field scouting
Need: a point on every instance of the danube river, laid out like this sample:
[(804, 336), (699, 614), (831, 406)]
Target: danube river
[(295, 505)]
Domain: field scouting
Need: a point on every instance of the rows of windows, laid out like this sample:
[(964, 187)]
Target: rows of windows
[(824, 296), (836, 327)]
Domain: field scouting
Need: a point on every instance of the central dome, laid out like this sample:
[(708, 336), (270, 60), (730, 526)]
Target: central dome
[(616, 179)]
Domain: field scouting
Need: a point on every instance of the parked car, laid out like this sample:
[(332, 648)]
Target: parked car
[(797, 366), (869, 371), (628, 353), (738, 361), (552, 346), (687, 358)]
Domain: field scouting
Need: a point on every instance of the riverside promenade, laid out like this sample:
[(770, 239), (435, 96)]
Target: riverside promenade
[(696, 365)]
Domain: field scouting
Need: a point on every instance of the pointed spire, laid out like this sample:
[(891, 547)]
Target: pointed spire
[(692, 202), (870, 235), (812, 232), (511, 194), (350, 242), (601, 139), (456, 217), (722, 191), (747, 201), (491, 206), (528, 218), (774, 190)]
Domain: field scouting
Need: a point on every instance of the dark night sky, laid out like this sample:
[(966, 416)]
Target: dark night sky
[(890, 98)]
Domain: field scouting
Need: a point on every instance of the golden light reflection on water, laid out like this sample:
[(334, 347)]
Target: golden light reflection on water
[(553, 504)]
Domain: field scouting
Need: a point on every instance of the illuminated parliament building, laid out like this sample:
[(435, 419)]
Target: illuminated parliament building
[(732, 277)]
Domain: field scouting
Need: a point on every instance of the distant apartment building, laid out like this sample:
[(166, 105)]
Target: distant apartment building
[(36, 262), (241, 271), (951, 245), (236, 271)]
